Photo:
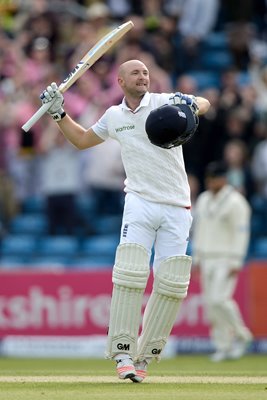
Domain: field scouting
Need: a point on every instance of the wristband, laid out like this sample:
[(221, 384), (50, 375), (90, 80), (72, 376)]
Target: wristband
[(58, 116)]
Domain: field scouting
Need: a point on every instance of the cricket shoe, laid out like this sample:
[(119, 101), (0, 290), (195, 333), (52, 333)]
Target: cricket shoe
[(141, 371), (126, 369), (219, 356), (240, 347)]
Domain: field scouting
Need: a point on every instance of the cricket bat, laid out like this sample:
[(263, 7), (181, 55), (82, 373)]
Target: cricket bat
[(97, 51)]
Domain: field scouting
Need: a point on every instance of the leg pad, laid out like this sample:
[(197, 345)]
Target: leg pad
[(170, 288), (130, 274)]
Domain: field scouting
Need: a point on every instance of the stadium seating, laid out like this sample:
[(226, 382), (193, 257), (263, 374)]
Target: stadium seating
[(92, 262), (104, 245), (48, 262), (18, 245), (107, 224), (216, 60), (205, 79), (217, 40), (35, 224), (13, 261), (63, 246), (259, 248), (33, 204)]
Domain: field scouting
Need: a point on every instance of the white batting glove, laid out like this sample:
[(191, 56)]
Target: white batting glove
[(53, 96), (189, 100)]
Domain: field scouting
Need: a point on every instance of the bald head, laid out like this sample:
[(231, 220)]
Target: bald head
[(130, 65), (133, 78)]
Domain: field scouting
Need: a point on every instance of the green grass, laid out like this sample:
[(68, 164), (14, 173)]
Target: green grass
[(183, 378)]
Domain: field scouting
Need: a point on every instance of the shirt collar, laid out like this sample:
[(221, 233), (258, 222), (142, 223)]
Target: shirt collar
[(144, 102)]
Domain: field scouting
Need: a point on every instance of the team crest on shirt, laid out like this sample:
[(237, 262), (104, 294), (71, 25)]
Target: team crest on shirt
[(125, 230)]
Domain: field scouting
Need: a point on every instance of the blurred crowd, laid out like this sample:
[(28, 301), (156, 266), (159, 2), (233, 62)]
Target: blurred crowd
[(42, 40)]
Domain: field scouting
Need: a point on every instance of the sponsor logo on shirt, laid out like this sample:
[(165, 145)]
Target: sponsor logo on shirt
[(125, 128)]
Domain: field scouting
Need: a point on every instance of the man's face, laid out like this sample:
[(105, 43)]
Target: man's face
[(134, 79), (215, 183)]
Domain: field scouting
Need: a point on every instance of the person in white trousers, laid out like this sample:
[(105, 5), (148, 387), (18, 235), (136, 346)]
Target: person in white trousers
[(220, 238), (150, 128)]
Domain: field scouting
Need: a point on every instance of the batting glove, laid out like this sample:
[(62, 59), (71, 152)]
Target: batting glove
[(189, 100), (53, 96)]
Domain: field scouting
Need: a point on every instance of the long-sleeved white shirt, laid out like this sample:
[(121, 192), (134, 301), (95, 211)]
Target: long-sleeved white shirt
[(221, 226)]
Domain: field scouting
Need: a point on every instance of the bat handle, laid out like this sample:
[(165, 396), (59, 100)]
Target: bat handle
[(39, 113)]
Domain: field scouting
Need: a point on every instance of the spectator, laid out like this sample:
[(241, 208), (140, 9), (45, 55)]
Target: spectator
[(195, 22), (205, 145), (8, 203), (60, 181), (104, 177), (259, 172), (258, 73), (238, 24), (238, 169), (38, 65), (186, 84)]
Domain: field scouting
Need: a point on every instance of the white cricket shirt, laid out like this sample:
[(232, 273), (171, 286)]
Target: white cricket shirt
[(221, 226), (153, 173)]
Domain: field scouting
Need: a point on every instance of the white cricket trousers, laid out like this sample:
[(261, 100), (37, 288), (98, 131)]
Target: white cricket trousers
[(166, 227), (226, 322)]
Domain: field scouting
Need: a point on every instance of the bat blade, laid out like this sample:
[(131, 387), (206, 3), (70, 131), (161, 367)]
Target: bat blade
[(96, 52)]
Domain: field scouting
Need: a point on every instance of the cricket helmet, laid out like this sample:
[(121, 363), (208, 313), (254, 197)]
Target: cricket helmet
[(170, 126)]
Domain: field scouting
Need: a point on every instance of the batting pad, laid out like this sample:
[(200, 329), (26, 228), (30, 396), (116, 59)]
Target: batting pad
[(130, 274), (170, 288)]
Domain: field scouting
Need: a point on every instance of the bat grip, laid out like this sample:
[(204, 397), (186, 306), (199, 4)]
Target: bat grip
[(39, 113)]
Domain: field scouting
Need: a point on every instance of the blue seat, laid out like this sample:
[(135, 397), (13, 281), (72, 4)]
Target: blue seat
[(260, 248), (244, 78), (13, 262), (257, 225), (18, 245), (85, 205), (58, 246), (216, 60), (29, 224), (258, 204), (107, 224), (33, 204), (49, 262), (92, 262), (205, 79), (216, 41), (104, 245)]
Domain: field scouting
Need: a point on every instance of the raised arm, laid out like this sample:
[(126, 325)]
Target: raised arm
[(80, 137)]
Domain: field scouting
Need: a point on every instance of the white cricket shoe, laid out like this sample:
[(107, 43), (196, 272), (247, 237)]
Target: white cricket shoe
[(126, 369), (240, 348), (141, 371), (219, 356)]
